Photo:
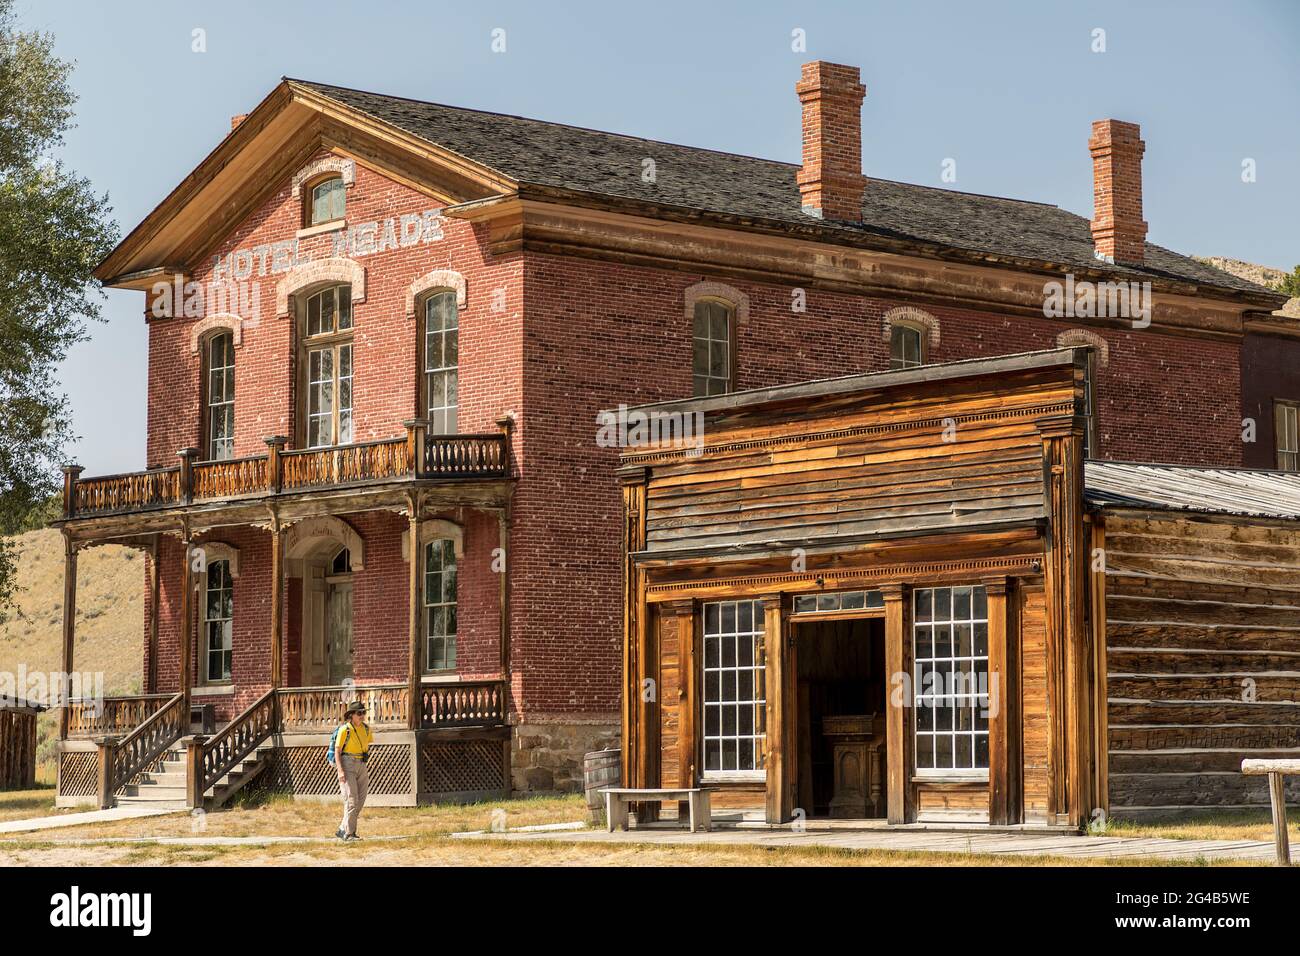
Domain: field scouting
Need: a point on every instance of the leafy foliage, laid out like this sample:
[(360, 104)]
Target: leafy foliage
[(1290, 283), (54, 230)]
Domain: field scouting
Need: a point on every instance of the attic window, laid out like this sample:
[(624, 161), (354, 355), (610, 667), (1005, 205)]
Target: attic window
[(327, 201)]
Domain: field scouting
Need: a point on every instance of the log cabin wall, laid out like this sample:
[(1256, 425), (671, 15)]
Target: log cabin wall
[(1203, 660), (933, 478)]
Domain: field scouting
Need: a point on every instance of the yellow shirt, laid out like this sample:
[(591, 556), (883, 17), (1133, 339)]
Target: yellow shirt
[(355, 741)]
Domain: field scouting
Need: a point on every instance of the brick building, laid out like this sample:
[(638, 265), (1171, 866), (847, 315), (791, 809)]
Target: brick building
[(382, 328)]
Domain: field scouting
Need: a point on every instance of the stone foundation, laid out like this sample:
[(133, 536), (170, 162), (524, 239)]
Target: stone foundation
[(546, 755)]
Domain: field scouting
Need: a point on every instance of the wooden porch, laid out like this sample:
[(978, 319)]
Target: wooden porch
[(453, 745)]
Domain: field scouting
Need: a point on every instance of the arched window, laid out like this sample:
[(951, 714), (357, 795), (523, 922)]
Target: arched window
[(218, 622), (327, 364), (342, 563), (714, 360), (441, 361), (219, 397), (906, 346), (440, 604), (327, 201)]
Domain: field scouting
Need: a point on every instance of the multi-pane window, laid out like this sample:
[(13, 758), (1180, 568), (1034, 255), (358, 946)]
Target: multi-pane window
[(218, 620), (735, 703), (220, 356), (713, 347), (329, 367), (327, 201), (951, 655), (440, 362), (1287, 435), (440, 604), (905, 349)]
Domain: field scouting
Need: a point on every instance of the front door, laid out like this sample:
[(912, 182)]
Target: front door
[(338, 631)]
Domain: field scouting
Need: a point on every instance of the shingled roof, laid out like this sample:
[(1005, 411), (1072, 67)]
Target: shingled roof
[(573, 159)]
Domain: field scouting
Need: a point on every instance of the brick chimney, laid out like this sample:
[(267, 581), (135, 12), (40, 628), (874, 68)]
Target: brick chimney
[(1118, 231), (236, 120), (831, 181)]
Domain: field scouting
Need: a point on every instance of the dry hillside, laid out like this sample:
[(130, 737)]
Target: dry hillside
[(110, 612), (1261, 275)]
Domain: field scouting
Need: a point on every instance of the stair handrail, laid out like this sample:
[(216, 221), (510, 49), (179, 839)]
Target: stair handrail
[(142, 747), (223, 751)]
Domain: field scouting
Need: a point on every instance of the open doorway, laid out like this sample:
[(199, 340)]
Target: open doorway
[(841, 717)]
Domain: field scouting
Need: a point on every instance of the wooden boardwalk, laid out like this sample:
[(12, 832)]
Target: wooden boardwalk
[(1003, 843)]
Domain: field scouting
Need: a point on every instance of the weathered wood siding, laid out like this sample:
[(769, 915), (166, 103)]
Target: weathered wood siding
[(669, 694), (1203, 661), (876, 465), (17, 750), (1035, 716)]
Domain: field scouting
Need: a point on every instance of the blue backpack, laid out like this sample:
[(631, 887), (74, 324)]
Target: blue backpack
[(334, 740)]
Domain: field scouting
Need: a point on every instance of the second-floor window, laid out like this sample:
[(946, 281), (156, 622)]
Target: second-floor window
[(441, 359), (327, 201), (1287, 435), (906, 346), (714, 347), (327, 359), (218, 621), (219, 356)]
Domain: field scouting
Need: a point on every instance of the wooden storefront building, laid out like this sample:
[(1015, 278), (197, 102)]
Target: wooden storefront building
[(883, 595)]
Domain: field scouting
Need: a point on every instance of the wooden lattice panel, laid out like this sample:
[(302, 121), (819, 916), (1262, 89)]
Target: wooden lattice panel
[(462, 766), (304, 771), (79, 773)]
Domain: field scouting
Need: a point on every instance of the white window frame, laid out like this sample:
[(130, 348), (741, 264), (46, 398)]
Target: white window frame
[(903, 330), (219, 448), (443, 415), (339, 188), (710, 345), (926, 625), (226, 624), (713, 695), (447, 661), (1286, 435), (332, 343)]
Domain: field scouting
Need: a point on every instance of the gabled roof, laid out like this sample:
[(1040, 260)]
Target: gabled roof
[(584, 161), (1225, 491)]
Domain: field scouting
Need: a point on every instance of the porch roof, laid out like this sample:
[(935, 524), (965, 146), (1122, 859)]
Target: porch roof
[(1241, 492)]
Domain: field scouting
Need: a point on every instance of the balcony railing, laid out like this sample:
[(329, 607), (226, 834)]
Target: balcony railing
[(288, 471)]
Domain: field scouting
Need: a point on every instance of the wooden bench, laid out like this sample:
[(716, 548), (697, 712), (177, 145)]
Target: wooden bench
[(1277, 771), (617, 799)]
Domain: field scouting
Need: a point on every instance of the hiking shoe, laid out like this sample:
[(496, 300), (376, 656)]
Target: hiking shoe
[(339, 834), (351, 838)]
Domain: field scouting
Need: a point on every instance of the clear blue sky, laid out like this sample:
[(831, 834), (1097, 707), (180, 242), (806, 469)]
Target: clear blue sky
[(1008, 90)]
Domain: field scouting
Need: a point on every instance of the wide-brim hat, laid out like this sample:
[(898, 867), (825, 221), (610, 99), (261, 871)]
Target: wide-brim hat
[(356, 707)]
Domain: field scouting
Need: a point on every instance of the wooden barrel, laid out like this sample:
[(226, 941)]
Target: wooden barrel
[(600, 769)]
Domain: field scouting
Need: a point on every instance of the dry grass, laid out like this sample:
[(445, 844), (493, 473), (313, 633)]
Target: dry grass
[(1242, 825), (23, 804)]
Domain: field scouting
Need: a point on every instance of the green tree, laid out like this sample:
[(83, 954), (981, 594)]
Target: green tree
[(1290, 283), (54, 230)]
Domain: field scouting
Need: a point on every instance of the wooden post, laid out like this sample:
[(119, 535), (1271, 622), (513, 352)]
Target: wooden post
[(687, 702), (415, 615), (635, 626), (781, 707), (1277, 800), (416, 430), (107, 751), (277, 601), (274, 463), (187, 457), (1004, 712), (194, 771), (503, 593), (155, 595), (69, 627), (901, 698), (186, 629), (71, 472)]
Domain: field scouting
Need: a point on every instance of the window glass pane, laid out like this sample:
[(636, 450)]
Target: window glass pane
[(440, 604), (440, 361), (711, 360), (218, 620), (221, 397), (734, 704), (327, 200), (904, 346), (950, 654)]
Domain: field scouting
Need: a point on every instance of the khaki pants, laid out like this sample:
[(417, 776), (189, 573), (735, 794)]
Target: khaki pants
[(355, 786)]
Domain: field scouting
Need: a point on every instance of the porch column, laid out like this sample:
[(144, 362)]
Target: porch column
[(186, 629), (781, 711), (688, 700), (277, 602), (69, 625), (1004, 701), (899, 717), (155, 595), (414, 505)]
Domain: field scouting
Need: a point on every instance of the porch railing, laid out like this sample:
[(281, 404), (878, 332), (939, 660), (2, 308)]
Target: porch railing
[(320, 709), (463, 704), (208, 760), (283, 471), (121, 761), (112, 715)]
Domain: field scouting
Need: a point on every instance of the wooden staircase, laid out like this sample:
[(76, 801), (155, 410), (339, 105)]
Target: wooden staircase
[(164, 784)]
